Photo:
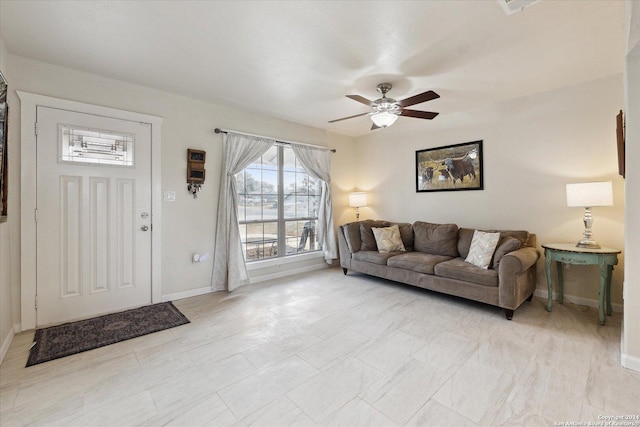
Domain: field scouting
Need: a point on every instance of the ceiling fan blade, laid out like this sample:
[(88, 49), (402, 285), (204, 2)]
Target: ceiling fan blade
[(374, 126), (350, 117), (417, 99), (418, 114), (360, 99)]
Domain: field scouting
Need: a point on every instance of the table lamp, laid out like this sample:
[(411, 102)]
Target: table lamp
[(587, 195), (357, 200)]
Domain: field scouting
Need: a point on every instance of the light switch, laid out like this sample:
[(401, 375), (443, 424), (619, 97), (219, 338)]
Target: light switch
[(169, 196)]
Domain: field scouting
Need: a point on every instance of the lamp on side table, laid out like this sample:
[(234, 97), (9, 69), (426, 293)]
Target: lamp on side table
[(587, 195), (358, 200)]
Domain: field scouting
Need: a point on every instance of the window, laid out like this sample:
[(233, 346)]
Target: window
[(95, 146), (277, 206)]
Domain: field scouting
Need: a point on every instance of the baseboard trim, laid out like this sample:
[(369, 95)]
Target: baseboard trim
[(187, 294), (281, 274), (630, 362), (5, 344), (543, 293), (252, 280), (626, 361)]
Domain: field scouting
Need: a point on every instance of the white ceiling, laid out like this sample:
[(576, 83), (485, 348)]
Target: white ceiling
[(296, 60)]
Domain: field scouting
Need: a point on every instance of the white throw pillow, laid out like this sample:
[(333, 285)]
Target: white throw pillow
[(483, 245), (388, 239)]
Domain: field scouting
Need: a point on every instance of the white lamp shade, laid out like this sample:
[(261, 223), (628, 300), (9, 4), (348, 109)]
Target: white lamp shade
[(384, 119), (589, 194), (358, 199)]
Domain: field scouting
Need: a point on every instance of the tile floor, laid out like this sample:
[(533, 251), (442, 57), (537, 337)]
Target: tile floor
[(328, 349)]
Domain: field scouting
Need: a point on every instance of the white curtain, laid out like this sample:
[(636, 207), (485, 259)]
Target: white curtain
[(317, 164), (229, 266)]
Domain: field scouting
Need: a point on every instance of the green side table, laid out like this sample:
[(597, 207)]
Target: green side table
[(569, 253)]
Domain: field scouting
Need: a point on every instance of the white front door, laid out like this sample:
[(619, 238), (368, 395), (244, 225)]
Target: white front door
[(93, 215)]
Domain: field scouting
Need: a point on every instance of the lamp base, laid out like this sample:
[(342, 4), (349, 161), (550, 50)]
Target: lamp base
[(588, 244)]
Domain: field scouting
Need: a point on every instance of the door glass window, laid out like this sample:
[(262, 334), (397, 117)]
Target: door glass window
[(80, 145)]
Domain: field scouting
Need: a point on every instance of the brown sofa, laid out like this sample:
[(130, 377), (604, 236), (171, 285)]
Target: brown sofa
[(435, 259)]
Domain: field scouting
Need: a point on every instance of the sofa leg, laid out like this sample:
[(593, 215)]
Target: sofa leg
[(530, 298), (508, 313), (344, 270)]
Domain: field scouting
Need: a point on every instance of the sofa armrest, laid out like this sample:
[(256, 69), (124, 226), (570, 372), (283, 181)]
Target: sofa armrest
[(519, 260), (517, 276), (343, 247)]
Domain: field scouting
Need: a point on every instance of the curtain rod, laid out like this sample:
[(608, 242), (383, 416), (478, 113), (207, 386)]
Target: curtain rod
[(320, 147)]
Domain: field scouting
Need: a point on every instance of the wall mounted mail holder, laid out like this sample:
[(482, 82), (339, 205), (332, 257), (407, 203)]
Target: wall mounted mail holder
[(195, 170)]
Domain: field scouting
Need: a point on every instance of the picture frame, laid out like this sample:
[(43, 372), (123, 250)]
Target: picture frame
[(455, 167), (620, 140), (4, 149)]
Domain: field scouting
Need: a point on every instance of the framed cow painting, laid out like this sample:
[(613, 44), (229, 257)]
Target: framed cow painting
[(450, 168)]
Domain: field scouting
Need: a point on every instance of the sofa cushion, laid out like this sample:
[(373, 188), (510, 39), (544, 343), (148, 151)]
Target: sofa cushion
[(465, 235), (367, 239), (521, 235), (406, 234), (352, 236), (417, 261), (458, 268), (374, 257), (437, 239), (483, 245), (505, 245), (388, 239)]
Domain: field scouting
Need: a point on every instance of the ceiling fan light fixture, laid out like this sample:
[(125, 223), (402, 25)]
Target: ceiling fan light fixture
[(385, 111), (384, 119)]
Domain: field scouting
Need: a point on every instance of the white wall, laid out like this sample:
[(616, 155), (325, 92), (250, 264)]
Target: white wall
[(532, 146), (188, 223), (6, 323), (631, 337)]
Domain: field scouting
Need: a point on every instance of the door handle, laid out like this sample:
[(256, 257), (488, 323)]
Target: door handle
[(144, 228)]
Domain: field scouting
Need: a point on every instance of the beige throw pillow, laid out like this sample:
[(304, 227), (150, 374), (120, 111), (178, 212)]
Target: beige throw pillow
[(388, 239), (482, 247)]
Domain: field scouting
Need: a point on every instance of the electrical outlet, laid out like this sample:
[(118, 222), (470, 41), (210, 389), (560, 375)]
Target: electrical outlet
[(169, 196)]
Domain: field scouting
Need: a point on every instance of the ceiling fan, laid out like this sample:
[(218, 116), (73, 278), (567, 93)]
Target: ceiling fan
[(385, 111)]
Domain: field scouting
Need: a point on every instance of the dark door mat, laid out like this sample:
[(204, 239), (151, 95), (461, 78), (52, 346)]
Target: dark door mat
[(75, 337)]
